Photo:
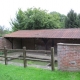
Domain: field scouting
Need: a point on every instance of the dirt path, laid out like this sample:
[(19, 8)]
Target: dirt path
[(20, 64), (37, 55)]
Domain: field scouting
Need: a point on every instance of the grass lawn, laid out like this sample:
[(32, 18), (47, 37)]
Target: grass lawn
[(11, 72)]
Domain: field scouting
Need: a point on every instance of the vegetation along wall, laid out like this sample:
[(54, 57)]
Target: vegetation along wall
[(68, 57)]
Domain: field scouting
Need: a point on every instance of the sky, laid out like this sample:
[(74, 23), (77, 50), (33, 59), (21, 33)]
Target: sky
[(8, 8)]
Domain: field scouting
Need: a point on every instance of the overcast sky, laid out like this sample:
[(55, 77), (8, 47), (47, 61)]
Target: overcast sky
[(8, 8)]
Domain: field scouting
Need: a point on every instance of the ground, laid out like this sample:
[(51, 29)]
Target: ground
[(33, 55)]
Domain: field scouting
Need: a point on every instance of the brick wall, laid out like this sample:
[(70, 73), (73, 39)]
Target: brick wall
[(68, 57), (71, 41), (5, 42), (1, 42)]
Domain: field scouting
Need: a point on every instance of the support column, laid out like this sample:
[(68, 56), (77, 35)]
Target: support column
[(52, 42), (55, 46), (34, 43), (21, 43), (12, 43), (45, 41)]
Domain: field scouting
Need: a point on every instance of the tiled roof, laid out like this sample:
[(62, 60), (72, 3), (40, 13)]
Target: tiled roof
[(73, 33)]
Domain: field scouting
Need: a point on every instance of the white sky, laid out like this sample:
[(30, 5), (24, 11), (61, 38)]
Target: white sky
[(8, 8)]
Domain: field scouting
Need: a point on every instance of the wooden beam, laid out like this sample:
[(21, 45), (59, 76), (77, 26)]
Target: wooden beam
[(24, 57), (52, 42), (12, 43), (52, 58), (34, 43), (5, 55), (45, 41), (21, 43)]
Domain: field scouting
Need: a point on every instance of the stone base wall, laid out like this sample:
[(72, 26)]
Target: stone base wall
[(68, 57)]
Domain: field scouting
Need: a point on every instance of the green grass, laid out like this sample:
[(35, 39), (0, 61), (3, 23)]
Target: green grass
[(11, 72)]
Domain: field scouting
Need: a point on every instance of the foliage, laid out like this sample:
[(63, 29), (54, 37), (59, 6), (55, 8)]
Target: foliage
[(3, 31), (72, 20), (34, 18), (58, 19), (78, 20), (18, 73)]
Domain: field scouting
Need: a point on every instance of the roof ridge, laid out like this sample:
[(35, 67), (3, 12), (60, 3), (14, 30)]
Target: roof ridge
[(49, 29)]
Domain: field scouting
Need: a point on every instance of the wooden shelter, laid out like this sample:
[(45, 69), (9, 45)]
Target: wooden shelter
[(43, 39)]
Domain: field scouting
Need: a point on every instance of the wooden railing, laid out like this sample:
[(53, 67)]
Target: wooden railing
[(25, 57)]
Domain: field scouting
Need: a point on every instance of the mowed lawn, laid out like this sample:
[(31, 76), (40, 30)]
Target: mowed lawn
[(11, 72)]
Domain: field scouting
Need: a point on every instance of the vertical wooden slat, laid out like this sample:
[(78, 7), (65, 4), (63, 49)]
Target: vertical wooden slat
[(21, 43), (12, 43), (24, 57), (5, 55), (34, 43), (52, 58)]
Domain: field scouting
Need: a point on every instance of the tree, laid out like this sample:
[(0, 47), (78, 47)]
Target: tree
[(34, 18), (38, 19), (78, 20), (19, 22), (3, 31), (59, 19), (71, 20)]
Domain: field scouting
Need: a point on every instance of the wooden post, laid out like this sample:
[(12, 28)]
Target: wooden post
[(24, 57), (5, 55), (52, 58)]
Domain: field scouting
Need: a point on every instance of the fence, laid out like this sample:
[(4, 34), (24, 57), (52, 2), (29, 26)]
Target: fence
[(25, 57)]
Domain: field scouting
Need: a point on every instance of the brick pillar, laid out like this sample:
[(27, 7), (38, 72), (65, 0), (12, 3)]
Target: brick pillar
[(68, 57)]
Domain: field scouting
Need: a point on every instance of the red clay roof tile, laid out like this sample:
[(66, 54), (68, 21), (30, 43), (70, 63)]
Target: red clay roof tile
[(46, 33)]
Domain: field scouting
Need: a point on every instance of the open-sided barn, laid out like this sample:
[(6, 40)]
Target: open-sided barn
[(42, 39)]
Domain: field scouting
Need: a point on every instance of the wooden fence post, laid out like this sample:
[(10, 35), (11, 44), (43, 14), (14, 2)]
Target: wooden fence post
[(24, 57), (5, 55), (52, 58)]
